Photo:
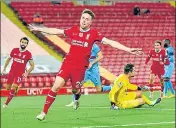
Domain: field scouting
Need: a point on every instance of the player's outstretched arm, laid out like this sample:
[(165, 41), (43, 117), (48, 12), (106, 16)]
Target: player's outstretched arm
[(32, 65), (52, 31), (118, 45), (6, 64)]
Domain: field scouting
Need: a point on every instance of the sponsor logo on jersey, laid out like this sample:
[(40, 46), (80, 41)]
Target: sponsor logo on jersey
[(79, 43), (18, 60)]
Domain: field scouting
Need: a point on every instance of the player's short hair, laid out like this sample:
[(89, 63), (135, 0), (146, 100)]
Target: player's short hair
[(88, 11), (24, 38), (158, 41), (128, 68), (167, 41)]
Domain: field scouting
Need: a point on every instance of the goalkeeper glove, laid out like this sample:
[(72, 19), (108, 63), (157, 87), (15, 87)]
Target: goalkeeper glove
[(144, 88), (113, 106)]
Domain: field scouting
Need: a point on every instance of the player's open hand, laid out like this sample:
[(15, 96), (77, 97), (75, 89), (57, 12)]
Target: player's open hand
[(136, 51), (145, 88), (3, 72), (113, 106), (25, 74), (33, 28)]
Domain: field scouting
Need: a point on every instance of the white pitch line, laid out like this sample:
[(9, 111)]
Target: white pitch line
[(149, 108), (127, 125)]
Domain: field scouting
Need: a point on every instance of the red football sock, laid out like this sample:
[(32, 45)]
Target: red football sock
[(151, 87), (49, 100), (11, 95), (162, 88)]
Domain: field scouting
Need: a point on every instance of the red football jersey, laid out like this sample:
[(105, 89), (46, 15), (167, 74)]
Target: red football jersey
[(20, 59), (81, 46), (157, 59)]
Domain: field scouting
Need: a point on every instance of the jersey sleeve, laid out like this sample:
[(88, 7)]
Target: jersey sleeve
[(69, 32), (117, 85), (11, 53), (98, 36), (96, 48), (30, 56)]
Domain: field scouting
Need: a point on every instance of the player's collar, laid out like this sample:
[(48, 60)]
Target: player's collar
[(21, 50), (158, 51), (84, 30)]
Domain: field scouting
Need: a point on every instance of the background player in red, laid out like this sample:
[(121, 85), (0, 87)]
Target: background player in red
[(20, 57), (77, 60), (159, 59)]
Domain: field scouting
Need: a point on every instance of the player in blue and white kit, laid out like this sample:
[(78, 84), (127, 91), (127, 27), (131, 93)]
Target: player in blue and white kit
[(92, 73), (169, 69)]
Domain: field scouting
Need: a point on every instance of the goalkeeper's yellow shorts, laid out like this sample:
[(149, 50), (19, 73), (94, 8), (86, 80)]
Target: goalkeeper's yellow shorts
[(127, 101)]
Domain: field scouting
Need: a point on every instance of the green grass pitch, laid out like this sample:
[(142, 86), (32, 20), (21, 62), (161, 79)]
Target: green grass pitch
[(94, 112)]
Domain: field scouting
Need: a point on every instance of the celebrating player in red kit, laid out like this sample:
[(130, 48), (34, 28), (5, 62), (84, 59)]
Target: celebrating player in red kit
[(159, 59), (20, 57), (77, 60)]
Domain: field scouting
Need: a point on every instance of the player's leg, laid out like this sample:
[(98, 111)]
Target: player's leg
[(86, 78), (166, 87), (160, 75), (95, 78), (167, 82), (13, 92), (151, 81), (132, 103), (10, 80), (10, 96), (139, 94), (166, 79), (137, 102), (170, 87), (59, 82), (106, 88), (12, 85), (61, 77), (72, 102), (162, 85), (77, 81)]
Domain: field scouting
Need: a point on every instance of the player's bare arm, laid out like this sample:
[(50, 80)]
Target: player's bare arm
[(52, 31), (118, 45), (99, 57), (32, 65), (6, 64)]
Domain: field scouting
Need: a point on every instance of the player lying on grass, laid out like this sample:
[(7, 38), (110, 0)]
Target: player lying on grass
[(77, 60), (159, 59), (20, 57), (169, 69), (92, 73), (121, 98)]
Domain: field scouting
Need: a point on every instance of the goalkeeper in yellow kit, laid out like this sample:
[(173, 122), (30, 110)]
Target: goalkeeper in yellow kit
[(121, 98)]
